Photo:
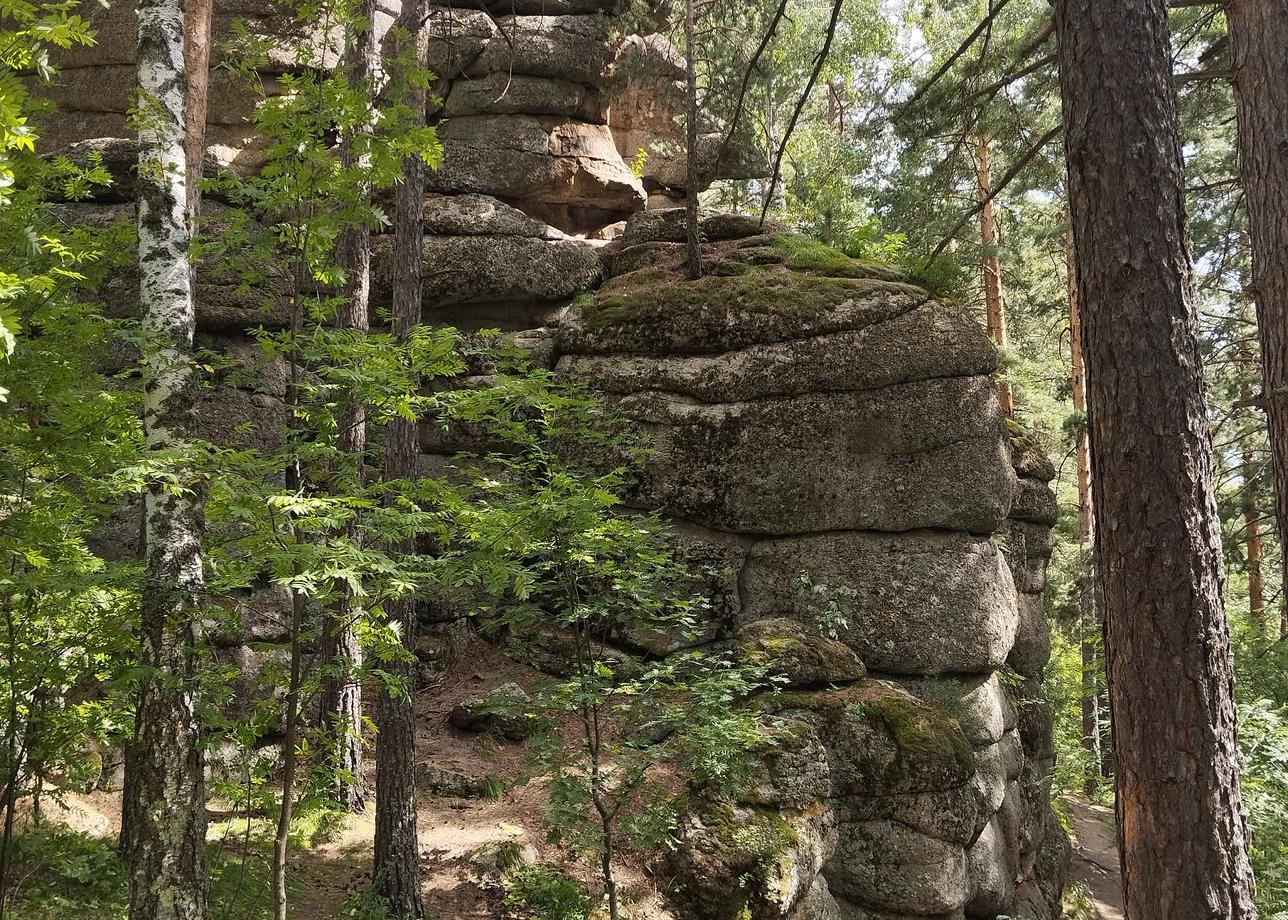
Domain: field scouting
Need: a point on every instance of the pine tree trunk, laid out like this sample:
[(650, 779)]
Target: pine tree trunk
[(341, 652), (1181, 825), (1253, 550), (693, 181), (994, 302), (396, 861), (167, 864), (1259, 48), (1089, 621)]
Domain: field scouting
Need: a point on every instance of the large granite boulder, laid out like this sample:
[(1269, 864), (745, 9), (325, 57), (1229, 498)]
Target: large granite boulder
[(840, 429)]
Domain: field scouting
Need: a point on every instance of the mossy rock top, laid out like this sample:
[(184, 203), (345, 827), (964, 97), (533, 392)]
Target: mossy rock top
[(1027, 454), (656, 311), (801, 656)]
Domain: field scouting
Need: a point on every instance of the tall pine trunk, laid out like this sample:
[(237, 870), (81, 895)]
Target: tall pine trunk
[(1181, 825), (1088, 618), (168, 810), (342, 654), (1259, 48), (693, 180), (396, 860), (994, 303)]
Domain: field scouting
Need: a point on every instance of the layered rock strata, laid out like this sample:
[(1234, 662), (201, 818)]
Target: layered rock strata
[(837, 443)]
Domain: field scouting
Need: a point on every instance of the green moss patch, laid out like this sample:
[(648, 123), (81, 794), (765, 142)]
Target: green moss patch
[(649, 294), (806, 255)]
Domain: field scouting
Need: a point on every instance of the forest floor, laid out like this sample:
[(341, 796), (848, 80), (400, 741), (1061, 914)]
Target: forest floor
[(79, 875), (1095, 857)]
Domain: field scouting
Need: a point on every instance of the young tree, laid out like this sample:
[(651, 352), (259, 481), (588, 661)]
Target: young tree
[(396, 859), (341, 707), (1259, 47), (168, 877), (1182, 832), (994, 304)]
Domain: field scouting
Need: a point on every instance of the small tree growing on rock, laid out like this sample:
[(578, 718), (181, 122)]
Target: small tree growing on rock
[(618, 736)]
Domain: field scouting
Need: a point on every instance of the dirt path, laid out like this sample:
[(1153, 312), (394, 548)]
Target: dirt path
[(1095, 857)]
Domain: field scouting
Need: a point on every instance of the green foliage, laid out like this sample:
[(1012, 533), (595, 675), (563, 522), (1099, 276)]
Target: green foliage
[(1263, 737), (544, 893)]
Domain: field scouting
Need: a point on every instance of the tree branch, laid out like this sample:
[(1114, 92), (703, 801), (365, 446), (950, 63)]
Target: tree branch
[(800, 105), (1006, 180), (956, 55)]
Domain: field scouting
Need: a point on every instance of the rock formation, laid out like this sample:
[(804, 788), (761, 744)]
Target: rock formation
[(837, 442), (829, 446)]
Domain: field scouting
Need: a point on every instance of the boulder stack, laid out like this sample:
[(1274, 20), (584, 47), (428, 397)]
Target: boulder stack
[(833, 433)]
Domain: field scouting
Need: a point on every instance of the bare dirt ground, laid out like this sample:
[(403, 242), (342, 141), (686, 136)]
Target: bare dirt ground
[(1095, 857), (451, 829)]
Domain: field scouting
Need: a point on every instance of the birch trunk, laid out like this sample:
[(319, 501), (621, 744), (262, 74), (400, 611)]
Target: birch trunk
[(167, 854)]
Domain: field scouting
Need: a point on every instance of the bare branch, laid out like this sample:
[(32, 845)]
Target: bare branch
[(1016, 168), (956, 55), (819, 61)]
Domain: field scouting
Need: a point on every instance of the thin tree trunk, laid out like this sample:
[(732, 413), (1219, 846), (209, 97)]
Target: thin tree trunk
[(342, 653), (396, 862), (291, 718), (196, 59), (168, 876), (692, 180), (1089, 621), (994, 302), (1253, 551), (1259, 52), (1181, 825)]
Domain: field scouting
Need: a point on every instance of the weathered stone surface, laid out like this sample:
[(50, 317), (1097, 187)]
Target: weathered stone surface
[(796, 773), (259, 616), (491, 269), (914, 603), (1028, 455), (917, 455), (481, 215), (978, 703), (886, 866), (798, 654), (231, 417), (670, 225), (735, 861), (882, 742), (436, 779), (711, 561), (519, 94), (501, 711), (991, 868), (576, 48), (1028, 552), (924, 342), (954, 815), (648, 313), (1032, 649), (456, 39), (1035, 503), (543, 159)]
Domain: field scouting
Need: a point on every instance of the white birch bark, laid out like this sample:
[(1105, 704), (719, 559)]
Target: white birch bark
[(168, 879)]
